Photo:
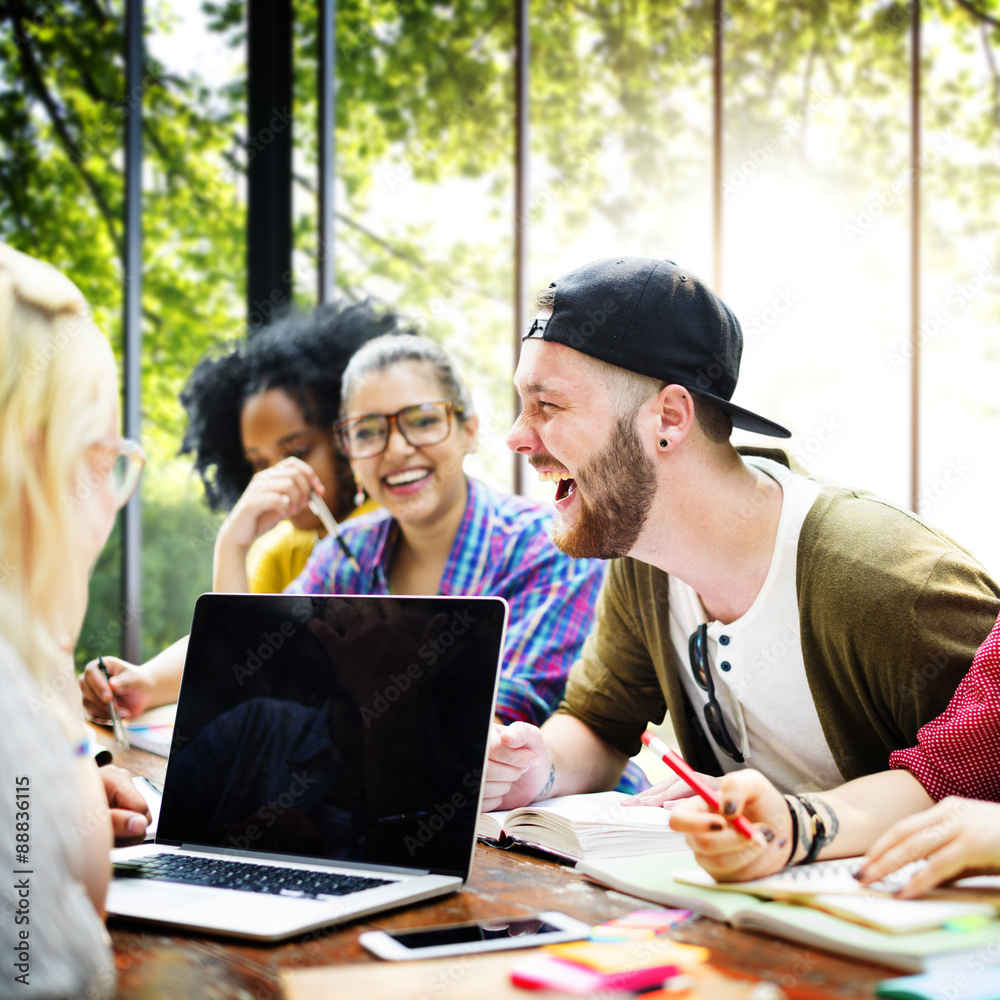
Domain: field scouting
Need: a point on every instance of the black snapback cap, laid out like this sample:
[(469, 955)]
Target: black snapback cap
[(652, 317)]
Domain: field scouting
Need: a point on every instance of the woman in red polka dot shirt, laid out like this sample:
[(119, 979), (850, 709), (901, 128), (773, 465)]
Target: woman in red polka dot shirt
[(956, 760)]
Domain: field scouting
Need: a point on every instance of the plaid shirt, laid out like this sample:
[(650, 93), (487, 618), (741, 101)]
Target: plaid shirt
[(502, 549)]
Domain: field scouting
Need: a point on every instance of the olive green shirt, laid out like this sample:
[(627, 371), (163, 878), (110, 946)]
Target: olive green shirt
[(891, 612)]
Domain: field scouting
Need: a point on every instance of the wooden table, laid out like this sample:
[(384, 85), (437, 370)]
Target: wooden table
[(166, 965)]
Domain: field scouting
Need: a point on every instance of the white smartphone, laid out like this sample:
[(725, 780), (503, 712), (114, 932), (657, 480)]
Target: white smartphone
[(476, 936)]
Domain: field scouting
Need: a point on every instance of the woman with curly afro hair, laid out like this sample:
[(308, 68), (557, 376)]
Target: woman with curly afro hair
[(260, 427)]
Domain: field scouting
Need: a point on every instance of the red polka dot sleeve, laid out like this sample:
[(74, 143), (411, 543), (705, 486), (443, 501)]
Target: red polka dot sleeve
[(958, 753)]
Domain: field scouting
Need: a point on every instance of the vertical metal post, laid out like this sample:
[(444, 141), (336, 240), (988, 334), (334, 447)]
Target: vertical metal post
[(915, 181), (521, 39), (326, 275), (717, 123), (269, 159), (131, 579)]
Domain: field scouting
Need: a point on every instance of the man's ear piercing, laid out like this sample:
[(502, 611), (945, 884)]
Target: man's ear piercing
[(664, 443)]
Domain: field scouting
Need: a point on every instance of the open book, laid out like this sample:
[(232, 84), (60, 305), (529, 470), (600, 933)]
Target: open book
[(653, 878), (595, 825)]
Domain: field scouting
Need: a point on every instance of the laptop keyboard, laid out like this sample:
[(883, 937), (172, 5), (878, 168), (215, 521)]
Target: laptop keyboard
[(248, 877)]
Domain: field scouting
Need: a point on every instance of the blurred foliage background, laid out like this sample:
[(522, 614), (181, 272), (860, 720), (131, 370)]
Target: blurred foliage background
[(815, 181)]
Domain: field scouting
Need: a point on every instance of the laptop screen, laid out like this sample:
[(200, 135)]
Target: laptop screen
[(342, 728)]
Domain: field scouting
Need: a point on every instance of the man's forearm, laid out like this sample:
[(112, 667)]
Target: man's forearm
[(853, 816), (580, 760)]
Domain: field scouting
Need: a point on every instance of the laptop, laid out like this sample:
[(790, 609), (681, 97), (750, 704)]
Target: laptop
[(327, 763)]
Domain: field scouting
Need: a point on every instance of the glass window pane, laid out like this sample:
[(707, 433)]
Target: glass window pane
[(816, 234), (960, 321), (621, 137)]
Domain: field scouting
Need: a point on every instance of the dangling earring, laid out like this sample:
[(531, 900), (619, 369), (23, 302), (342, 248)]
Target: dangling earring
[(359, 493)]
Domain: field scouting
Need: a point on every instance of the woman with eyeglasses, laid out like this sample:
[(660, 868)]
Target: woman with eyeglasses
[(260, 427), (407, 425), (64, 473)]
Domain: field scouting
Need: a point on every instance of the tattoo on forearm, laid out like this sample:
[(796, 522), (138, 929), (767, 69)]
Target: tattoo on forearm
[(548, 784), (831, 825)]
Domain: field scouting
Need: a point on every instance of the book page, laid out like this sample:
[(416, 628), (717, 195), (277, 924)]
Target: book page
[(596, 809), (834, 877)]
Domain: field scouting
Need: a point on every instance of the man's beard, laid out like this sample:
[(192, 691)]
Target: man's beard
[(619, 485)]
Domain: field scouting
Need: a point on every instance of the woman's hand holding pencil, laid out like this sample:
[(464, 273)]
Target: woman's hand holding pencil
[(745, 798)]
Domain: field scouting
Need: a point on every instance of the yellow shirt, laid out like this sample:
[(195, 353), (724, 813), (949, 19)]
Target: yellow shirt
[(279, 556)]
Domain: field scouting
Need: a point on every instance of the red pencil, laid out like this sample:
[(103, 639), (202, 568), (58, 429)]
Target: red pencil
[(707, 792)]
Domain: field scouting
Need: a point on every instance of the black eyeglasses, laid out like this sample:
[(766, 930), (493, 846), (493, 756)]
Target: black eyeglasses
[(698, 657), (421, 425)]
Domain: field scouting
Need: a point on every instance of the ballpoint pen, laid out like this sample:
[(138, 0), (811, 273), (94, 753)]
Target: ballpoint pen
[(116, 720), (320, 509), (679, 766)]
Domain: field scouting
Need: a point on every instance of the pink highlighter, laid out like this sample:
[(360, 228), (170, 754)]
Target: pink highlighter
[(707, 792), (548, 972)]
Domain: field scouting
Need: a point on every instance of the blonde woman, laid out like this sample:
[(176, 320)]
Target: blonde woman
[(64, 472)]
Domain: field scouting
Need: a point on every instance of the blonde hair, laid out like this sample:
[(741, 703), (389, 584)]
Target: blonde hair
[(57, 389)]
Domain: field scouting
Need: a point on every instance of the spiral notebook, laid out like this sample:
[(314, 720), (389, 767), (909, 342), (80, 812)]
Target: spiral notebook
[(656, 878), (830, 886)]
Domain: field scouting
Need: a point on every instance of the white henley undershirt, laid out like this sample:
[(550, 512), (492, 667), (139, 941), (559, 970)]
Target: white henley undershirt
[(756, 661)]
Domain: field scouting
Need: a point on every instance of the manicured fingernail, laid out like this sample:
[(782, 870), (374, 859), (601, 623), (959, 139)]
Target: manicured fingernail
[(767, 834), (136, 824), (716, 827), (859, 874), (728, 807)]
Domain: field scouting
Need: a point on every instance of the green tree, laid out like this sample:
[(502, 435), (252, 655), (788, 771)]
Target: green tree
[(425, 104)]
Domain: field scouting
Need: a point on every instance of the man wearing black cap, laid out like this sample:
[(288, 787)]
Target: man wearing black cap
[(787, 623)]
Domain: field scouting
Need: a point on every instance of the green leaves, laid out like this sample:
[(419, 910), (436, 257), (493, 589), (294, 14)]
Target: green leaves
[(620, 109)]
